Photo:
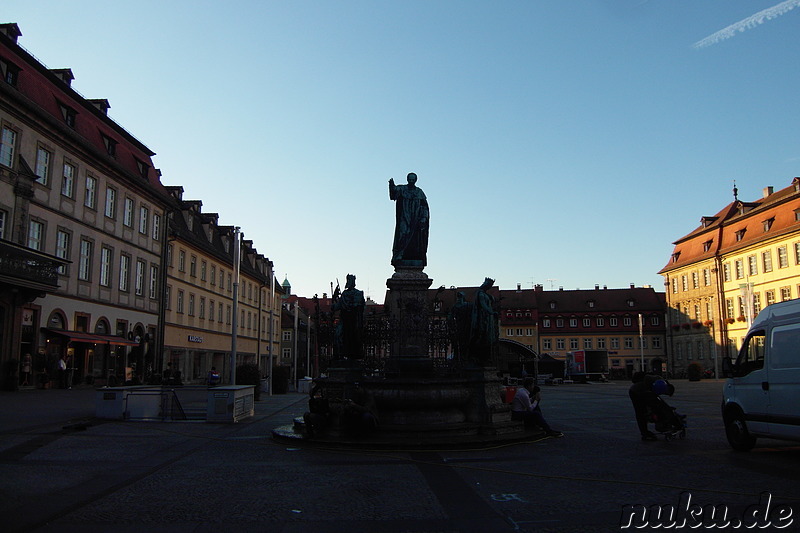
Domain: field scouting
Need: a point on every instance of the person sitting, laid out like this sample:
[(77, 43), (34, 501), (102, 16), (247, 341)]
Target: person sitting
[(525, 407), (213, 377)]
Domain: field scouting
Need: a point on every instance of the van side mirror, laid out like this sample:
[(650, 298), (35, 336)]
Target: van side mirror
[(727, 367)]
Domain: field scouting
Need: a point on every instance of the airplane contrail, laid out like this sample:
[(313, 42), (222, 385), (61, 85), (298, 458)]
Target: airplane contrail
[(750, 22)]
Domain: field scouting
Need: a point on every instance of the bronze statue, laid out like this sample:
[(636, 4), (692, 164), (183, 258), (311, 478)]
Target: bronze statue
[(348, 338), (484, 330), (411, 226), (460, 323)]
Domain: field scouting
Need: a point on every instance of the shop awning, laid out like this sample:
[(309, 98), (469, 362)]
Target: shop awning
[(91, 338)]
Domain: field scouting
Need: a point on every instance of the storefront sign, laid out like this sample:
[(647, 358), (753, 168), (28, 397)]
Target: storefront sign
[(195, 338)]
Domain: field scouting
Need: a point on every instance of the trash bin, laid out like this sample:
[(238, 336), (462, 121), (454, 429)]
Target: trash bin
[(510, 393)]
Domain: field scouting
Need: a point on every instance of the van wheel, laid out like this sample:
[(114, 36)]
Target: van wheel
[(739, 437)]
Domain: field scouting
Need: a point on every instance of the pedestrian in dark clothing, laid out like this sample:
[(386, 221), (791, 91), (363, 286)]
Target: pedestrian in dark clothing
[(643, 398)]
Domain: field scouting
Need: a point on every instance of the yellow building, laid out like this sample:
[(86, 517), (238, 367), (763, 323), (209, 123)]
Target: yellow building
[(199, 294), (724, 272)]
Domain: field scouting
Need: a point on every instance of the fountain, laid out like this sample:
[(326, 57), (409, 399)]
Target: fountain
[(412, 403)]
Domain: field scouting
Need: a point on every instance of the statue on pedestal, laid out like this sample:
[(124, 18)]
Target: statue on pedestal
[(484, 331), (349, 334), (411, 226)]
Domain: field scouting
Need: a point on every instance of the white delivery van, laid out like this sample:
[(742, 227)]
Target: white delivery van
[(761, 397)]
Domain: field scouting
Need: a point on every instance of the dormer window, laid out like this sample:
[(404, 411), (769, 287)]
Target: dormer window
[(590, 303), (68, 113), (9, 71), (110, 144), (797, 215), (631, 303), (675, 257), (707, 245), (768, 224), (552, 305), (143, 168), (740, 234)]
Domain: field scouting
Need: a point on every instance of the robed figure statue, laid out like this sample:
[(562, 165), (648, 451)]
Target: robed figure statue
[(411, 227), (349, 333)]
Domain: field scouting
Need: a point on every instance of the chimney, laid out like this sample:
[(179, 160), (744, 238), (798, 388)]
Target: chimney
[(538, 288), (101, 104), (596, 287), (605, 287), (768, 191), (64, 74), (519, 287), (10, 30), (633, 286)]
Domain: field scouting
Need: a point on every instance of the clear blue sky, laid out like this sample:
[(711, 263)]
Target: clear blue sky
[(558, 140)]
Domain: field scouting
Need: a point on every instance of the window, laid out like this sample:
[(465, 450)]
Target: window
[(573, 344), (203, 268), (740, 234), (156, 227), (707, 245), (127, 215), (9, 71), (221, 279), (193, 266), (230, 285), (612, 322), (111, 202), (615, 343), (729, 312), (770, 296), (706, 277), (85, 260), (62, 248), (144, 215), (628, 343), (587, 322), (601, 343), (287, 353), (90, 198), (182, 261), (752, 265), (191, 304), (105, 266), (179, 306), (143, 168), (202, 310), (124, 272), (726, 272), (674, 286), (153, 282), (111, 145), (643, 343), (600, 321), (684, 283), (656, 342), (654, 321), (287, 335), (138, 286), (211, 311), (42, 165), (509, 332), (756, 303), (169, 255), (228, 314), (767, 224), (751, 357), (213, 274), (547, 344), (8, 144), (35, 235), (786, 293), (219, 314), (519, 332), (783, 257), (695, 280), (168, 298), (587, 343), (68, 180), (69, 115), (739, 268), (766, 261), (573, 322), (627, 321), (560, 344)]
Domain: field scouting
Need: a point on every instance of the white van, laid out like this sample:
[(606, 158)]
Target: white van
[(761, 397)]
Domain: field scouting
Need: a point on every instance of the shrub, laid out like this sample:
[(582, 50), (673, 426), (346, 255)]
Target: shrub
[(249, 374), (694, 371)]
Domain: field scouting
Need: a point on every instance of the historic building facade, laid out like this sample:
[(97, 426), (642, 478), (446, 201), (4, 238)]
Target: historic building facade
[(723, 273), (84, 192), (199, 311)]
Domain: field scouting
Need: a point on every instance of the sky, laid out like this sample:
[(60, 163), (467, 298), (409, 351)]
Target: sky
[(566, 143)]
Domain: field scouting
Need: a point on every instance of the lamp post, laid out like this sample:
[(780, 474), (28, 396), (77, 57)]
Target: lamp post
[(641, 344), (234, 321)]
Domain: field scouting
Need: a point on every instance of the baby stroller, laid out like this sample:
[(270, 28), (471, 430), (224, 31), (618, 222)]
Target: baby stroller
[(667, 420)]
